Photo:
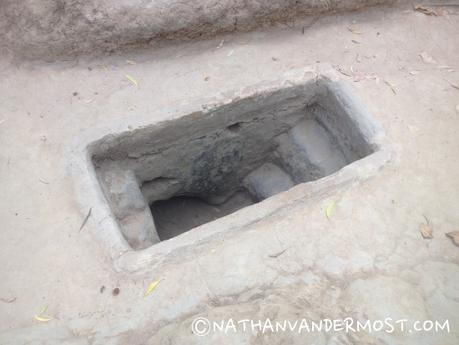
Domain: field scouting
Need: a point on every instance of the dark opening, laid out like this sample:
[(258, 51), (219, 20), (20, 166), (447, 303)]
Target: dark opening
[(182, 213)]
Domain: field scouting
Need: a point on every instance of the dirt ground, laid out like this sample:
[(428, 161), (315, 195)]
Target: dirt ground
[(50, 29), (367, 261)]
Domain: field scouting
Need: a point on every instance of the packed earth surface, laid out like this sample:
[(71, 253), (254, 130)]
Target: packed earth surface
[(369, 250)]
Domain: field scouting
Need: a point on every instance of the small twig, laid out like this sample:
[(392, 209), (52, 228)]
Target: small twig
[(43, 181), (453, 85), (85, 220), (277, 254), (8, 300)]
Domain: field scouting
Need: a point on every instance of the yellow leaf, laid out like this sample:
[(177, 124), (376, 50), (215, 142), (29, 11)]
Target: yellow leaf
[(329, 209), (151, 287), (42, 318), (132, 80)]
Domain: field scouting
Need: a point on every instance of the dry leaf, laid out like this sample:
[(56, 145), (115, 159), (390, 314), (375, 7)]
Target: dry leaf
[(329, 209), (42, 318), (130, 62), (372, 76), (85, 220), (454, 235), (343, 72), (132, 80), (151, 287), (427, 11), (392, 86), (446, 68), (426, 231), (231, 52), (454, 85), (8, 300), (414, 72), (427, 58), (354, 31), (277, 254)]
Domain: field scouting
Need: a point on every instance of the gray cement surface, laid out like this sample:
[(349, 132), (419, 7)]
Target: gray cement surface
[(366, 260)]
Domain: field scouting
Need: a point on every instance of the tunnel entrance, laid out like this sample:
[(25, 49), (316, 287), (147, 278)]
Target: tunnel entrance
[(167, 179)]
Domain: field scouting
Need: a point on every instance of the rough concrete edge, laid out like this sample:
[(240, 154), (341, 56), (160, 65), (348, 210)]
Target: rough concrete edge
[(104, 227)]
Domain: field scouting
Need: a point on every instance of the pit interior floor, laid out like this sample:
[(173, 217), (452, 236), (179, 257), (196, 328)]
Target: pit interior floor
[(177, 215), (368, 259)]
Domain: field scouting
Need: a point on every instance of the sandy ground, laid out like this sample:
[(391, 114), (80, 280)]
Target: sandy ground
[(368, 261)]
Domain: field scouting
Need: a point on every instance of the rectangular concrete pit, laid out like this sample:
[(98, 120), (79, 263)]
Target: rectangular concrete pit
[(208, 164)]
